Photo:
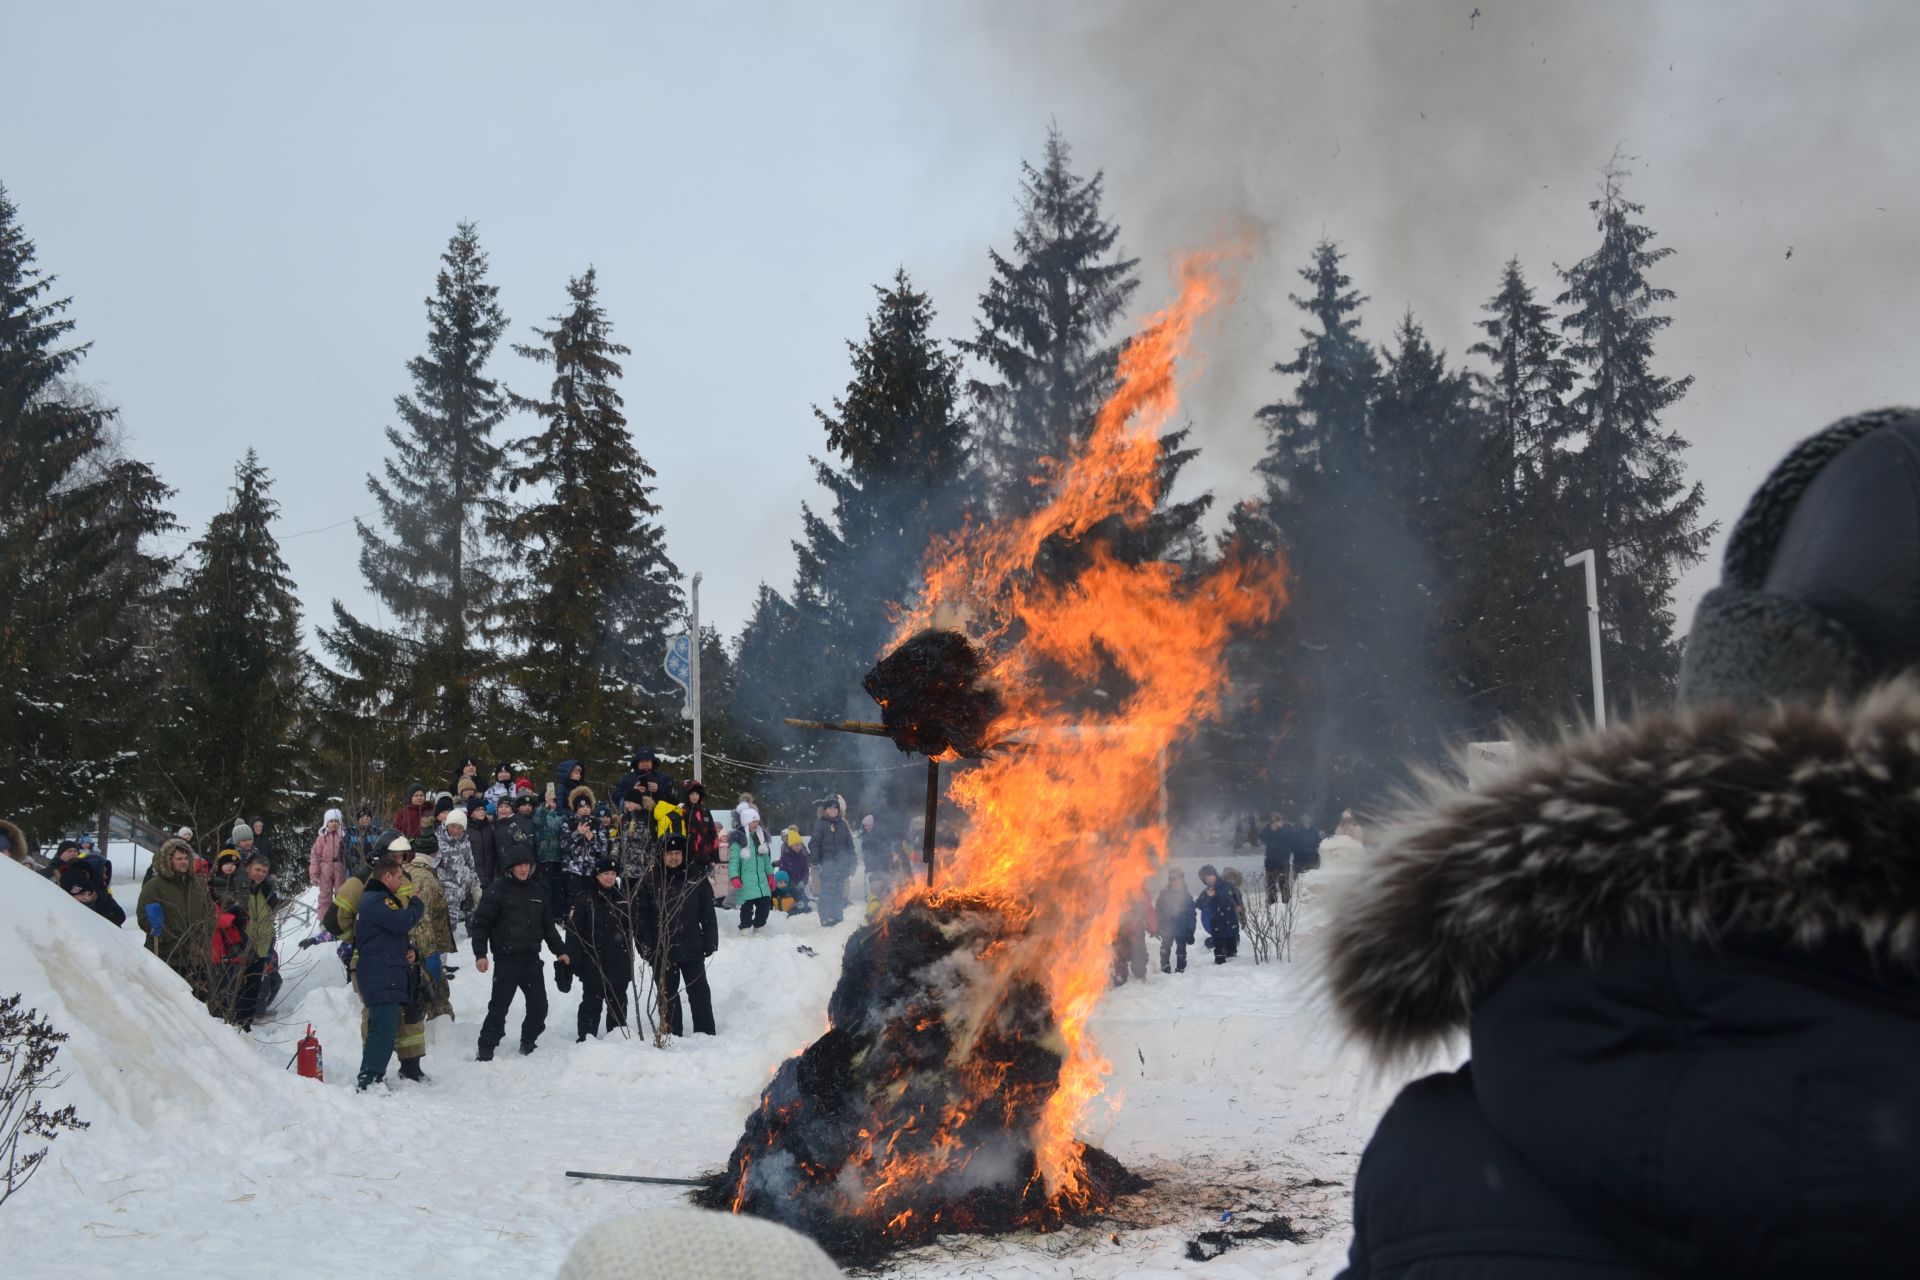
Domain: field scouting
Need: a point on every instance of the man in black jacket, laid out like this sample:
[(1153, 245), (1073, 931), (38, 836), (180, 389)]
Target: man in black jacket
[(514, 918), (1684, 948), (1290, 852), (832, 855), (676, 929), (600, 943)]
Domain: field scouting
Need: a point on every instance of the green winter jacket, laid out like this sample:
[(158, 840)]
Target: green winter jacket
[(185, 939), (260, 926), (752, 868), (547, 829)]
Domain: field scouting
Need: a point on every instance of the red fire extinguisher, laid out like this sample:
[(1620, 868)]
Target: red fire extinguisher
[(311, 1064)]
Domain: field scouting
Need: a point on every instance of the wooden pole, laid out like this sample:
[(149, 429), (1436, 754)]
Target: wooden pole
[(867, 727), (933, 812)]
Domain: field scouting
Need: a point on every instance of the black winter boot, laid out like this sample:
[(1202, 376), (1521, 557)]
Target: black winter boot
[(527, 1047), (410, 1070), (485, 1054)]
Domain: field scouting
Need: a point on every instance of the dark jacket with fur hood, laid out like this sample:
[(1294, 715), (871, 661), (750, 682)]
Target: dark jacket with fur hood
[(1685, 955)]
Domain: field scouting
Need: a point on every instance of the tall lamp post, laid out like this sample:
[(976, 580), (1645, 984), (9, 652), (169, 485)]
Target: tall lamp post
[(1593, 632), (693, 672)]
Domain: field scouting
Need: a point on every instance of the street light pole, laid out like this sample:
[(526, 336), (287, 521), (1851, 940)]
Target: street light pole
[(693, 677), (1593, 632)]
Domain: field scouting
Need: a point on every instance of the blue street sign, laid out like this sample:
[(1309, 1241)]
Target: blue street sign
[(679, 663)]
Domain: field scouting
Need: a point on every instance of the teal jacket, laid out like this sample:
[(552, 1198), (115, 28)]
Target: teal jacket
[(751, 867), (547, 829)]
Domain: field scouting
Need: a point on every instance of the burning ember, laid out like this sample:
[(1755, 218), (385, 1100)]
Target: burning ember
[(949, 1087)]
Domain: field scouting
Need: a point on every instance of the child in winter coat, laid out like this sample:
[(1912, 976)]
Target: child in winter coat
[(1173, 911), (502, 786), (750, 870), (1130, 940), (1220, 906), (454, 868), (584, 846), (794, 861), (326, 861), (228, 953)]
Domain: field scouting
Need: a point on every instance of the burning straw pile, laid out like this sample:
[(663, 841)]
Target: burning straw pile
[(915, 1114)]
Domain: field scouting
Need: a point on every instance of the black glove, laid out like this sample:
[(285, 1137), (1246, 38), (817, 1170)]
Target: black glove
[(563, 977)]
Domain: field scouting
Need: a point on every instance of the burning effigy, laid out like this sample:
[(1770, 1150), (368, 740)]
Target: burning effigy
[(948, 1091)]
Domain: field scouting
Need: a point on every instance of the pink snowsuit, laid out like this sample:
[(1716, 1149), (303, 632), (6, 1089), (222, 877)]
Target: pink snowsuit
[(323, 864)]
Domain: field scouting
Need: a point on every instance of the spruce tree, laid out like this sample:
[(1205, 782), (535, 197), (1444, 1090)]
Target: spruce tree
[(901, 445), (1421, 552), (1526, 623), (601, 596), (80, 590), (239, 672), (1043, 330), (406, 689), (1627, 495), (1311, 674)]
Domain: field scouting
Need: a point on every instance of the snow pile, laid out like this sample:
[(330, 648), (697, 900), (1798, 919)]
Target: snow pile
[(144, 1061)]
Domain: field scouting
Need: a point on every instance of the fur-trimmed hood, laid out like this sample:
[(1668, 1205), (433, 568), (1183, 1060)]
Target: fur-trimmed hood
[(1797, 826), (18, 838)]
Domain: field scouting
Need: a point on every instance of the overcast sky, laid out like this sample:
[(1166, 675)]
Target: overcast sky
[(247, 203)]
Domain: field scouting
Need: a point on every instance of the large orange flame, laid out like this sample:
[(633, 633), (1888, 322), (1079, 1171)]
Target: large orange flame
[(1069, 826)]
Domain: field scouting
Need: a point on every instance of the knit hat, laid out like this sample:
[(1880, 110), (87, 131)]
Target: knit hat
[(399, 844), (184, 833), (224, 856), (747, 814), (445, 804), (77, 875), (1820, 587), (604, 864), (333, 815), (693, 1244), (456, 818), (241, 831), (602, 811), (523, 786), (524, 798)]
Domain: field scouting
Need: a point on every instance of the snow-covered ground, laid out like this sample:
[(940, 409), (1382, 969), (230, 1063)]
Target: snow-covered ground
[(208, 1158)]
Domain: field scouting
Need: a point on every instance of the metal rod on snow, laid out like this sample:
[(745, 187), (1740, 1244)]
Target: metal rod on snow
[(632, 1177)]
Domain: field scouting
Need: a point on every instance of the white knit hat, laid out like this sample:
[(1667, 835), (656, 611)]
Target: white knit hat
[(747, 814), (694, 1244)]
